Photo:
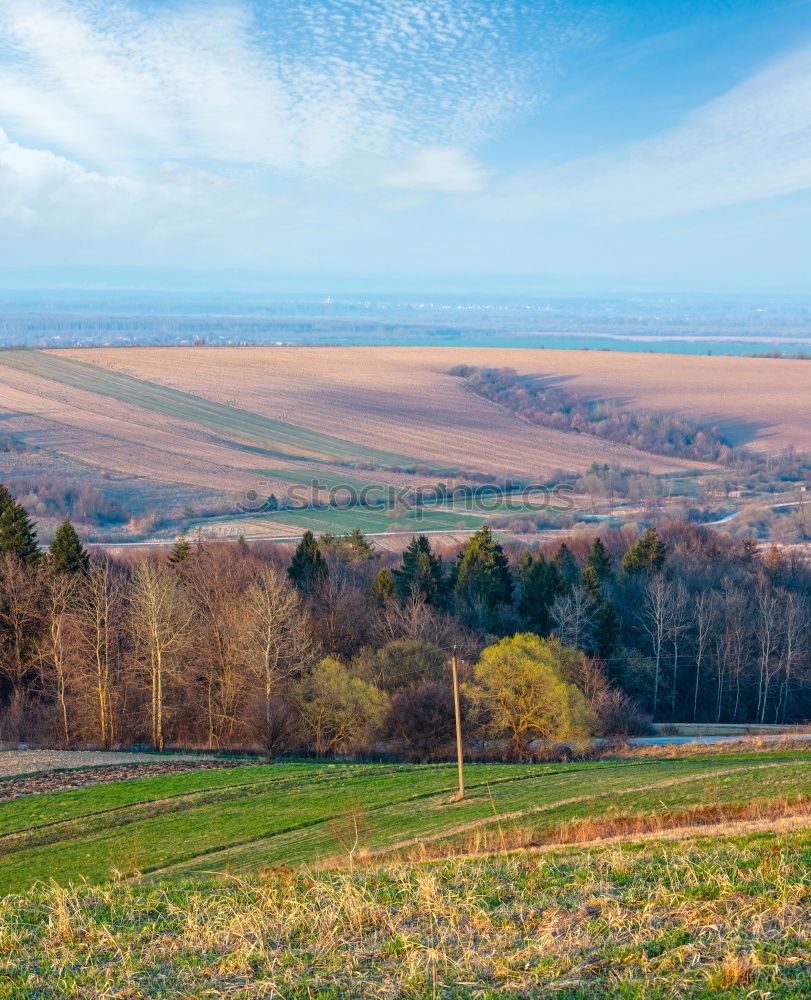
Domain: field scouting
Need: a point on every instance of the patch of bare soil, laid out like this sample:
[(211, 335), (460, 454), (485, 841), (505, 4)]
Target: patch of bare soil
[(59, 778)]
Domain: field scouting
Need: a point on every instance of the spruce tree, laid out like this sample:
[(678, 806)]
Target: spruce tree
[(65, 553), (307, 567), (18, 534), (6, 499), (540, 585), (647, 555), (181, 550), (599, 560), (358, 545), (566, 565), (421, 572), (590, 582), (482, 573), (607, 629), (524, 564)]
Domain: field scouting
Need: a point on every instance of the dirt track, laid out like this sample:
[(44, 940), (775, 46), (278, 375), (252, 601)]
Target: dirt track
[(63, 771), (19, 762)]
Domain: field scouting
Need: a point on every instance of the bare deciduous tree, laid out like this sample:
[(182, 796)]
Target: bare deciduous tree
[(656, 606), (278, 635), (58, 644), (704, 617), (20, 620), (575, 616), (100, 612), (162, 618)]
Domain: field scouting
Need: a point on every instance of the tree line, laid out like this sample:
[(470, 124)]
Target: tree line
[(554, 406), (339, 647)]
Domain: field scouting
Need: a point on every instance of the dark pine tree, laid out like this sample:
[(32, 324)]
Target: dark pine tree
[(599, 560), (358, 545), (540, 585), (482, 574), (6, 499), (307, 567), (566, 565), (607, 629), (65, 553), (420, 572), (590, 582), (181, 550), (18, 534), (524, 564), (384, 590), (646, 555)]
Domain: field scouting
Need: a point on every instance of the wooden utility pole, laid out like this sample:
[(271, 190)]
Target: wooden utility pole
[(461, 793)]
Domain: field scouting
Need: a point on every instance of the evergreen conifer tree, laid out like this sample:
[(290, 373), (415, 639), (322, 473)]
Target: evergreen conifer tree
[(180, 550), (482, 573), (566, 565), (524, 564), (18, 534), (307, 567), (647, 555), (420, 572), (540, 585), (599, 560), (6, 499), (590, 582), (607, 629), (384, 591), (359, 545), (65, 552)]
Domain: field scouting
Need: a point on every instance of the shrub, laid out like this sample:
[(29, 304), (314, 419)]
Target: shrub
[(339, 712)]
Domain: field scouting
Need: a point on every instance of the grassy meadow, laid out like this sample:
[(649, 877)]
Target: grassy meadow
[(306, 814)]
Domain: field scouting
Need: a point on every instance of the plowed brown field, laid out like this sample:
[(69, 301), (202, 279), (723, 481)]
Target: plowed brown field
[(402, 399), (399, 400)]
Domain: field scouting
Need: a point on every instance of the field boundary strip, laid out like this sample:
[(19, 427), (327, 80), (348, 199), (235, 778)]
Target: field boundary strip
[(575, 800), (724, 828)]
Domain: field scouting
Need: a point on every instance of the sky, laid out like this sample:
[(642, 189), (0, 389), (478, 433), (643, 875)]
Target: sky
[(582, 146)]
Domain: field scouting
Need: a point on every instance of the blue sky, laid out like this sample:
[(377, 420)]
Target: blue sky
[(574, 145)]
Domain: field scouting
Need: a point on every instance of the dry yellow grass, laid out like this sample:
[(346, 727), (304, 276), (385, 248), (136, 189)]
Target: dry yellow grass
[(721, 919)]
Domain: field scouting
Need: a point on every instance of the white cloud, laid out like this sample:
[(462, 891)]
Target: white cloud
[(299, 86), (38, 188), (51, 204), (235, 120), (752, 142), (438, 169)]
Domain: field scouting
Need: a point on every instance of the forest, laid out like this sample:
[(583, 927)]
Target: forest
[(339, 648)]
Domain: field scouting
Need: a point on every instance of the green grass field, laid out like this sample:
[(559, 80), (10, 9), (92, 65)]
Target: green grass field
[(277, 436), (339, 520), (196, 823)]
